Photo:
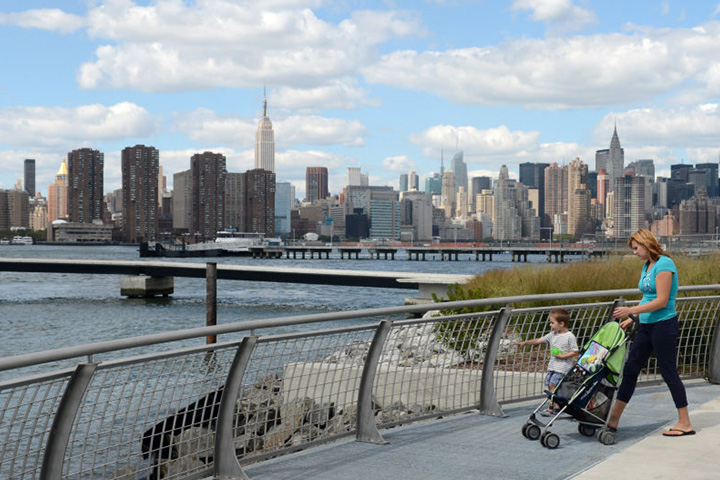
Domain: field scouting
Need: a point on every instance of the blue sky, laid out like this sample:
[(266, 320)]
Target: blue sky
[(381, 85)]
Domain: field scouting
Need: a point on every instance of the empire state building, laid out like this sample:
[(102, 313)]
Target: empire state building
[(265, 142)]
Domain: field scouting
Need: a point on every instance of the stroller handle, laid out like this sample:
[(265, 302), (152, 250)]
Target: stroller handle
[(636, 322)]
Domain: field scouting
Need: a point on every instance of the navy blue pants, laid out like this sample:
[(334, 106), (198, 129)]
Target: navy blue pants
[(661, 338)]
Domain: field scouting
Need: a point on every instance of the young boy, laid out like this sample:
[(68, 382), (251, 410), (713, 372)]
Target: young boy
[(563, 347)]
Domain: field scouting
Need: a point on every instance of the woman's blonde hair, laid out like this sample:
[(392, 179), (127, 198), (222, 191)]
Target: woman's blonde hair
[(646, 238)]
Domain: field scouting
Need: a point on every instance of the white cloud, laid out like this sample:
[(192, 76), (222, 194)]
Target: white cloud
[(399, 163), (205, 126), (680, 127), (489, 143), (569, 72), (558, 14), (44, 19), (317, 130), (60, 127), (337, 93), (225, 43)]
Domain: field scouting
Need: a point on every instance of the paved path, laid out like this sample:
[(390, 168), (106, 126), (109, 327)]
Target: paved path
[(473, 446)]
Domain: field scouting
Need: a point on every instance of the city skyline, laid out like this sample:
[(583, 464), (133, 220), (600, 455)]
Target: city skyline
[(354, 85)]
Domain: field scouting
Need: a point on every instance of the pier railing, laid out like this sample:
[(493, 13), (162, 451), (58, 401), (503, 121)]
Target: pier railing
[(170, 406)]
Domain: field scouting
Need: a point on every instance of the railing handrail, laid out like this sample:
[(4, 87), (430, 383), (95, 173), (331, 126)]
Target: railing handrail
[(36, 358)]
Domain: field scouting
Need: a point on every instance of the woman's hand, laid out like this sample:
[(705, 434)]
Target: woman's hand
[(621, 312), (626, 323)]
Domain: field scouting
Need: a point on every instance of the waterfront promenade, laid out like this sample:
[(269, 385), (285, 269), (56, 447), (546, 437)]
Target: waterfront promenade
[(473, 446)]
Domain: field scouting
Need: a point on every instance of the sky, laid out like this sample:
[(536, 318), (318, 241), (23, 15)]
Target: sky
[(387, 86)]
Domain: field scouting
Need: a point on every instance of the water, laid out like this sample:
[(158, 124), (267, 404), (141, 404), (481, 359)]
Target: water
[(41, 311)]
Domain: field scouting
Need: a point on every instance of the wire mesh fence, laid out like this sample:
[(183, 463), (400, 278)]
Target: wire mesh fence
[(156, 416)]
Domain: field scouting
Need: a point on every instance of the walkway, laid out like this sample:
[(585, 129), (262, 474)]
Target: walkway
[(473, 446)]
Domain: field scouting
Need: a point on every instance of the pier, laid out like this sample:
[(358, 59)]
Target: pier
[(519, 253), (425, 283)]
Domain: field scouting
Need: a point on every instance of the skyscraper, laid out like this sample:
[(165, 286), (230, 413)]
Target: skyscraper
[(603, 185), (283, 208), (258, 202), (207, 177), (556, 190), (532, 175), (403, 182), (629, 204), (85, 185), (58, 195), (140, 170), (413, 181), (14, 209), (459, 168), (711, 178), (578, 204), (316, 184), (616, 159), (30, 176), (265, 142), (355, 178)]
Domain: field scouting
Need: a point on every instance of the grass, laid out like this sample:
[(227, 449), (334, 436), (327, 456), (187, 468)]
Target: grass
[(615, 272)]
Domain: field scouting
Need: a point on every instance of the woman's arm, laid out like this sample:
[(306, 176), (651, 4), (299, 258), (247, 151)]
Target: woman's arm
[(663, 284)]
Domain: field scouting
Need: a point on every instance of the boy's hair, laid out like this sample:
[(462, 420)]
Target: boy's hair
[(561, 316)]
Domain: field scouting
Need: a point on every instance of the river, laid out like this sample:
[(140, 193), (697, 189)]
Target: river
[(41, 311)]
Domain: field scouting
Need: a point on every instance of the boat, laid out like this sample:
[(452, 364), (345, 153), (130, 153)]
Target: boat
[(226, 244), (4, 241), (23, 240)]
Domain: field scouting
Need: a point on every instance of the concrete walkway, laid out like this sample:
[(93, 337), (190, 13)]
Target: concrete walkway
[(473, 446)]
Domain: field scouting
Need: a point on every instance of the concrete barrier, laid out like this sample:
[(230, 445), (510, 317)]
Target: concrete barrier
[(145, 286)]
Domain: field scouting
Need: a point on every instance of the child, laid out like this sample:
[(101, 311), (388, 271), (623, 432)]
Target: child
[(563, 347)]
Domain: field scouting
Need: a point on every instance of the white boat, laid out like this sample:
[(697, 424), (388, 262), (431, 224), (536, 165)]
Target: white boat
[(22, 240), (4, 241)]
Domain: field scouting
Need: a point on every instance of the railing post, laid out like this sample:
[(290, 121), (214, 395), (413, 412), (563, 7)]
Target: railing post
[(226, 464), (367, 430), (59, 436), (714, 366), (489, 404), (211, 299)]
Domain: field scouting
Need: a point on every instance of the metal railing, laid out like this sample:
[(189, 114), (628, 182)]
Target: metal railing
[(134, 408)]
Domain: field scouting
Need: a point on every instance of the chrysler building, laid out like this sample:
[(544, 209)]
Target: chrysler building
[(265, 142)]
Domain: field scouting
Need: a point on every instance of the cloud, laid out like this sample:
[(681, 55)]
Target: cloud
[(558, 14), (489, 143), (223, 43), (399, 163), (205, 126), (337, 93), (51, 19), (317, 130), (563, 72), (60, 127), (680, 127)]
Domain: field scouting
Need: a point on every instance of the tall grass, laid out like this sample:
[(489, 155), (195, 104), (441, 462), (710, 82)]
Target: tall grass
[(615, 272)]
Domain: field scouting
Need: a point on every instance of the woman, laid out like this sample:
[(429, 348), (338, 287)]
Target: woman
[(657, 333)]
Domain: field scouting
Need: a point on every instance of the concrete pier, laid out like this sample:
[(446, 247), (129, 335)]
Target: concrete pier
[(146, 286)]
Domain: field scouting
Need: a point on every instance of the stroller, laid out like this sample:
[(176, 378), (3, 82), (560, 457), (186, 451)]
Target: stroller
[(587, 391)]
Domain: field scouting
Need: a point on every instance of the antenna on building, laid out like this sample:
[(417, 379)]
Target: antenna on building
[(442, 165), (264, 101)]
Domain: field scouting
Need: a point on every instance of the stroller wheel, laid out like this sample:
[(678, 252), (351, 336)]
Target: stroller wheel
[(550, 440), (586, 430), (606, 438), (532, 432)]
